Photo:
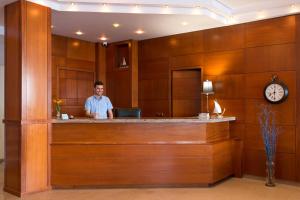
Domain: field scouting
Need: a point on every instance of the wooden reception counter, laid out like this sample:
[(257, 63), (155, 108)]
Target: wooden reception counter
[(141, 152)]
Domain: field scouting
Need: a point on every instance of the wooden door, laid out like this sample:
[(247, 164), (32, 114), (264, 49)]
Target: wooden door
[(186, 92)]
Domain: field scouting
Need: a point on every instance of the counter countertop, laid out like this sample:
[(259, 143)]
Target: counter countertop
[(145, 120)]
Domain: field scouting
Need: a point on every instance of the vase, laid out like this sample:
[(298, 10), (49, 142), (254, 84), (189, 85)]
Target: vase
[(270, 170), (57, 115)]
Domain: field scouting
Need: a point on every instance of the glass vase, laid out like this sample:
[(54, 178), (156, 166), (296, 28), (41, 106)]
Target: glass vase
[(270, 170), (57, 115)]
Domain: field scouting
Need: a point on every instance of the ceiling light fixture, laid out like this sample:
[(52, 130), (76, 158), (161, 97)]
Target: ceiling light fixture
[(103, 38), (116, 25), (79, 32), (72, 4), (139, 31), (293, 8), (184, 23), (261, 15), (52, 26)]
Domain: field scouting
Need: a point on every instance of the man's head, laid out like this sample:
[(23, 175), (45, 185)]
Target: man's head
[(98, 88)]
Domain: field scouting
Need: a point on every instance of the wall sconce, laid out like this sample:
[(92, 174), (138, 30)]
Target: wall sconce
[(207, 90)]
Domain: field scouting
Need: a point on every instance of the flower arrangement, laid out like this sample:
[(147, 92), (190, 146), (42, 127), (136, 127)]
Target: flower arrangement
[(269, 134), (57, 103)]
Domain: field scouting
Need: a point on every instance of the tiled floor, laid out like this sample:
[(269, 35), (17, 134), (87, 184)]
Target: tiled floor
[(240, 189)]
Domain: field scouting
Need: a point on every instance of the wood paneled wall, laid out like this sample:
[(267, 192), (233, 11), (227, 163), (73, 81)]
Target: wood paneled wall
[(73, 72), (27, 97), (240, 60), (122, 83)]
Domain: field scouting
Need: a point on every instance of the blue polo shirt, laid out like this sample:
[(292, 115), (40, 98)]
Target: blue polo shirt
[(100, 106)]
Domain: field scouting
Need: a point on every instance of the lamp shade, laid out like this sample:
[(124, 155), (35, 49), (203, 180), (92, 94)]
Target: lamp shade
[(207, 87)]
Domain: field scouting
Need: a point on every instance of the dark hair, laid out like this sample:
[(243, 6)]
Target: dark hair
[(98, 83)]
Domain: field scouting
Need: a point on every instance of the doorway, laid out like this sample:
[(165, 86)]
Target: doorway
[(186, 92)]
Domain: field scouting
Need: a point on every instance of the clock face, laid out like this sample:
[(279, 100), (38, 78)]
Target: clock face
[(276, 92)]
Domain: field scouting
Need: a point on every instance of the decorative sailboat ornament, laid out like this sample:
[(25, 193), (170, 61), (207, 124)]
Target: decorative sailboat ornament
[(218, 109)]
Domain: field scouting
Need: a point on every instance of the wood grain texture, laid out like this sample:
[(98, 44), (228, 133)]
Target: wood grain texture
[(122, 83), (298, 97), (73, 72), (281, 57), (255, 83), (240, 60), (130, 133), (268, 32), (26, 125), (224, 62), (225, 38), (284, 113), (284, 164), (81, 50), (189, 60), (287, 135), (186, 98), (13, 62), (157, 154)]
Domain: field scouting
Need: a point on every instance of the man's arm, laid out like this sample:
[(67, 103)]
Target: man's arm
[(89, 114), (110, 114)]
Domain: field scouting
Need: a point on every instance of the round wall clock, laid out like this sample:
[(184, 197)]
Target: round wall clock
[(276, 91)]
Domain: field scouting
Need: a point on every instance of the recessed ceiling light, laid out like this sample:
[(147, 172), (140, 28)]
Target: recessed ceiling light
[(116, 25), (293, 8), (184, 23), (103, 38), (79, 33), (52, 26), (139, 31), (261, 15)]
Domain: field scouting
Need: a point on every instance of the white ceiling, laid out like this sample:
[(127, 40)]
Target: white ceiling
[(156, 17)]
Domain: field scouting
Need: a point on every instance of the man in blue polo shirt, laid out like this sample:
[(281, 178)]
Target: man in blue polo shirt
[(98, 105)]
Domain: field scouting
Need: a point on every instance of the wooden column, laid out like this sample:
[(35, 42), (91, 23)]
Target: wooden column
[(298, 98), (27, 97), (101, 64)]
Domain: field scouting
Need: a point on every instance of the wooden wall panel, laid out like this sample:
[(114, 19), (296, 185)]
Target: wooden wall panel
[(152, 89), (182, 44), (240, 61), (285, 113), (273, 31), (155, 108), (225, 62), (59, 46), (253, 138), (228, 86), (154, 69), (225, 38), (74, 84), (80, 50), (284, 165), (154, 48), (255, 83), (271, 58), (190, 60)]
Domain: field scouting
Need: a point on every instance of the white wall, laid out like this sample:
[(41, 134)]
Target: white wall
[(1, 96)]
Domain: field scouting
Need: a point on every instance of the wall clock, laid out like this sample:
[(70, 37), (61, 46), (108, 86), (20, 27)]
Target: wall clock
[(276, 91)]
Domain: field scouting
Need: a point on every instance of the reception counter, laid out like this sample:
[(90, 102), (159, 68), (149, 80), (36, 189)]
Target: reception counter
[(141, 152)]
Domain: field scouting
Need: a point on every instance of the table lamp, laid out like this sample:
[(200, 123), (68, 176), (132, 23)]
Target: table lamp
[(207, 90)]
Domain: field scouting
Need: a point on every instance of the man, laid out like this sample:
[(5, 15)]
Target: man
[(98, 105)]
